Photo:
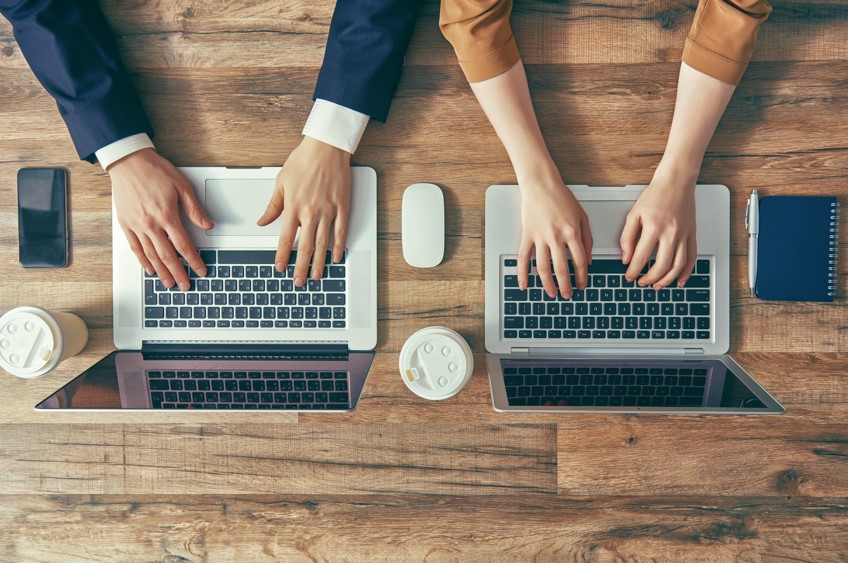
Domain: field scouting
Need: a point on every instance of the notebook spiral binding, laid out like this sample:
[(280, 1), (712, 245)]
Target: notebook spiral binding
[(831, 260)]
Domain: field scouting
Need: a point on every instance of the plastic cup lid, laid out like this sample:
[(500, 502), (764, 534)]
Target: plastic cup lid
[(436, 363), (27, 343)]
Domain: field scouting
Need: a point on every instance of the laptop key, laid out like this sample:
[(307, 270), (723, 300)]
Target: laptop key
[(154, 312), (248, 257)]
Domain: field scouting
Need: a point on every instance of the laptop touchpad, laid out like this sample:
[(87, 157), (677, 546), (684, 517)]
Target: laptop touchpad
[(606, 219), (235, 206)]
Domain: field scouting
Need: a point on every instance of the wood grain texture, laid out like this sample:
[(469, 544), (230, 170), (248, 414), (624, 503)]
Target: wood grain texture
[(264, 457), (403, 478), (432, 528)]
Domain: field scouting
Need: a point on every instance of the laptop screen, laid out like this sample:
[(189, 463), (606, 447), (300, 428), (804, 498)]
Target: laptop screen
[(162, 381), (631, 384)]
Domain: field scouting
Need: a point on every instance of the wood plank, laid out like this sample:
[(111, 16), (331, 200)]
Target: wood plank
[(391, 528), (266, 33), (266, 457), (615, 125), (734, 456)]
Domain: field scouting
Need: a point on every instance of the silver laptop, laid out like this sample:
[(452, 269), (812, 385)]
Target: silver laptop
[(614, 347), (243, 337)]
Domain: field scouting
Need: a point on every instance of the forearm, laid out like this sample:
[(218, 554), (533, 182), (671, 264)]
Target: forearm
[(365, 50), (701, 101), (506, 101), (71, 51)]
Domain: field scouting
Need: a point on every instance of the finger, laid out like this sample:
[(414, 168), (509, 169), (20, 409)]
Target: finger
[(665, 256), (580, 261), (677, 266), (339, 235), (305, 247), (543, 267), (168, 254), (586, 236), (274, 208), (161, 270), (524, 252), (630, 236), (691, 258), (182, 243), (322, 241), (192, 209), (561, 270), (285, 243), (641, 255), (138, 250)]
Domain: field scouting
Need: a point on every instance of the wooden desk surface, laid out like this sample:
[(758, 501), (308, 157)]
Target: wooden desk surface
[(403, 478)]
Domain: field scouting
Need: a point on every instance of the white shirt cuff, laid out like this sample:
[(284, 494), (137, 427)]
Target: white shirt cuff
[(335, 125), (114, 152)]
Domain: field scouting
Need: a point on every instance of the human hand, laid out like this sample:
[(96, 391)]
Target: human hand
[(148, 192), (662, 218), (314, 189), (552, 220)]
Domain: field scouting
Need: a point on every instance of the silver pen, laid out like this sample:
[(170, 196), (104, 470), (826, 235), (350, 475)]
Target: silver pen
[(752, 225)]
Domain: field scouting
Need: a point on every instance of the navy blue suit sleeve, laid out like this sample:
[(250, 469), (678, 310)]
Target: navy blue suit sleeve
[(365, 49), (71, 51)]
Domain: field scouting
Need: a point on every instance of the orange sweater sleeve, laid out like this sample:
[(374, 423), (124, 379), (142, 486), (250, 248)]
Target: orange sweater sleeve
[(480, 33), (723, 37)]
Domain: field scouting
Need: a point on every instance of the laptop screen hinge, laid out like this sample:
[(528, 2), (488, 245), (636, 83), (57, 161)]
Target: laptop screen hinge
[(519, 350), (694, 351)]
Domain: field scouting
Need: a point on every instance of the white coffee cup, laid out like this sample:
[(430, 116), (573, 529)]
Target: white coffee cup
[(436, 363), (33, 341)]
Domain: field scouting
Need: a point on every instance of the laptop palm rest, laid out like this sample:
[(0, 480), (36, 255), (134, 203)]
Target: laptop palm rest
[(235, 206)]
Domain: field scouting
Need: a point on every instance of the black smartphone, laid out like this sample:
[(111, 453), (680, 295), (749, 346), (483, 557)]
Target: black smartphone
[(42, 217)]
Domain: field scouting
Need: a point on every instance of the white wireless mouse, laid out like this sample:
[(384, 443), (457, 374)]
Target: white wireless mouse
[(423, 225)]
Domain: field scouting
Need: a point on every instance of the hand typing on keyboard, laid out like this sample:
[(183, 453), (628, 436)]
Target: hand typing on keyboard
[(314, 190), (148, 194), (552, 220), (663, 218)]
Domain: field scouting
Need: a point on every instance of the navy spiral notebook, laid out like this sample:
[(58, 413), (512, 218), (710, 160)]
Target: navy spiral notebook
[(796, 248)]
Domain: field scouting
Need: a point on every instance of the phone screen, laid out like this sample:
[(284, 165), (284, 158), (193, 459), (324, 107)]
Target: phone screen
[(42, 216)]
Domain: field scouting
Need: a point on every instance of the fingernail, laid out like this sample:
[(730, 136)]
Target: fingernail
[(202, 272), (337, 257), (168, 283), (299, 281), (279, 266), (183, 286), (149, 271), (316, 275)]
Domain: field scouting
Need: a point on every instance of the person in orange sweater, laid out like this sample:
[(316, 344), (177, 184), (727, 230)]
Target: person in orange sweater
[(716, 53)]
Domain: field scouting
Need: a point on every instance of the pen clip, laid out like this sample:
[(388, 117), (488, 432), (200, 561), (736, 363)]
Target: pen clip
[(747, 211)]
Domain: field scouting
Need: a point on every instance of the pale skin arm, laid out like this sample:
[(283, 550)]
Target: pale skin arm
[(149, 192), (552, 218), (664, 216)]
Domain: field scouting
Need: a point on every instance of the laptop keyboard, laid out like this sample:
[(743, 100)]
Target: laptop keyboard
[(243, 390), (243, 290), (610, 308), (605, 386)]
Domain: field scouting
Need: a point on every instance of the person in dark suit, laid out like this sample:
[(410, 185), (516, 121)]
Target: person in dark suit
[(362, 64), (70, 49)]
